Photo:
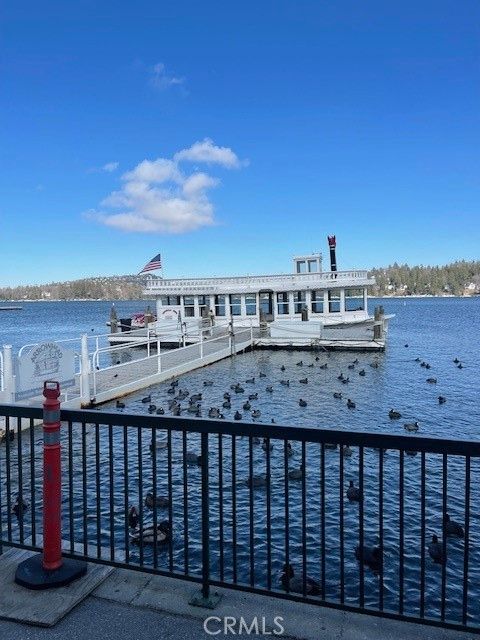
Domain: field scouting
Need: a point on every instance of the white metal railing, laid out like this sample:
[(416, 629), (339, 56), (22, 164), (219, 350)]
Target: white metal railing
[(125, 373), (257, 282)]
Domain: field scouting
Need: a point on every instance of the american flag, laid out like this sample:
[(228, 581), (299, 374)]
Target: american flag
[(153, 264)]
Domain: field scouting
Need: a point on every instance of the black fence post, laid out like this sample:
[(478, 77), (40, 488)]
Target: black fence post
[(205, 598)]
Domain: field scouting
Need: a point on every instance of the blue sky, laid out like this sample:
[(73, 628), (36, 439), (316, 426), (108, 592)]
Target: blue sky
[(265, 125)]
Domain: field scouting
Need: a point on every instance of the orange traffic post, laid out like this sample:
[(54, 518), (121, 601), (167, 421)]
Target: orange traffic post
[(47, 570)]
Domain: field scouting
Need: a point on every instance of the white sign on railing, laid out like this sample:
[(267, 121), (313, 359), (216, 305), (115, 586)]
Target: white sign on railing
[(46, 361)]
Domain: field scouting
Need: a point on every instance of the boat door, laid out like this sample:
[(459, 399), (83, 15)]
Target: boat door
[(266, 304)]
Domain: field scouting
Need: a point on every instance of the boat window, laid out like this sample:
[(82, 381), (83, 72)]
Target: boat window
[(301, 266), (334, 301), (299, 299), (282, 303), (204, 305), (266, 302), (312, 266), (317, 301), (168, 301), (354, 300), (235, 304), (251, 304), (220, 305), (189, 306)]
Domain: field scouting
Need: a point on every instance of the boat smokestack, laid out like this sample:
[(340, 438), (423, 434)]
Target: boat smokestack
[(332, 243)]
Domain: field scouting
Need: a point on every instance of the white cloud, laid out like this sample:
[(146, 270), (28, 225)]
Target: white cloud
[(161, 80), (207, 151), (156, 196), (110, 167)]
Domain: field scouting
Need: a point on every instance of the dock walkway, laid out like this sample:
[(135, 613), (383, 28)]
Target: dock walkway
[(121, 379)]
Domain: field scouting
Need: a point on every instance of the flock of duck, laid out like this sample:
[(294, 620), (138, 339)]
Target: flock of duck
[(183, 402)]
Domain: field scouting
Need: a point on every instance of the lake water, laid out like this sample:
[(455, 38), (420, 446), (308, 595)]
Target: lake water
[(436, 331)]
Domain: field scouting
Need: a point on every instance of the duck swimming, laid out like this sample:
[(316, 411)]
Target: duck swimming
[(411, 426), (286, 383), (133, 517), (361, 372), (256, 481), (247, 406), (147, 399), (160, 501), (267, 446), (351, 404), (441, 399), (452, 528), (160, 411), (353, 492), (256, 413), (435, 549), (250, 381), (337, 394), (432, 380), (304, 381), (295, 583), (371, 557), (302, 403), (120, 405), (159, 535), (296, 474), (19, 507), (193, 458), (237, 416), (269, 389), (394, 415), (253, 396)]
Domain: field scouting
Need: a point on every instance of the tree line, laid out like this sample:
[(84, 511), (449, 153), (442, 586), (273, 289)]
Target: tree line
[(396, 279)]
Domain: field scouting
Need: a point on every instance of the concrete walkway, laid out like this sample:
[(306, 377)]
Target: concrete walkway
[(138, 606)]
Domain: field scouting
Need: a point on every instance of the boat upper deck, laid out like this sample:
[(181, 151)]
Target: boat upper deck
[(245, 284)]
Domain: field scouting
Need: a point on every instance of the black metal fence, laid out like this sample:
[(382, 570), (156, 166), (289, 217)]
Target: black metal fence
[(336, 518)]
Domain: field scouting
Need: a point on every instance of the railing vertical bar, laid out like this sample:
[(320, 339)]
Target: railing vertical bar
[(140, 493), (444, 535), (251, 513), (84, 489), (380, 526), (220, 506), (32, 483), (185, 504), (287, 514), (20, 479), (322, 516), (361, 523), (269, 517), (98, 491), (111, 493), (205, 519), (234, 509), (422, 533), (170, 494), (466, 542), (126, 500), (154, 492), (304, 519), (8, 475), (341, 523), (401, 551), (71, 521)]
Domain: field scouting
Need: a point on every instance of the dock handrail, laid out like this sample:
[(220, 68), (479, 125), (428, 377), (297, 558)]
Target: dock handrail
[(231, 514)]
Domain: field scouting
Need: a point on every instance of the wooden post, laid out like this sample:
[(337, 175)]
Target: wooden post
[(376, 324)]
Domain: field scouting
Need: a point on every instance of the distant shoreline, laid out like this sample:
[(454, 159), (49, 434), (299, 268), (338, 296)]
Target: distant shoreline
[(376, 297)]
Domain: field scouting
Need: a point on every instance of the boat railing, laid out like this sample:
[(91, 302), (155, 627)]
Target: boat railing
[(239, 504), (296, 278)]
